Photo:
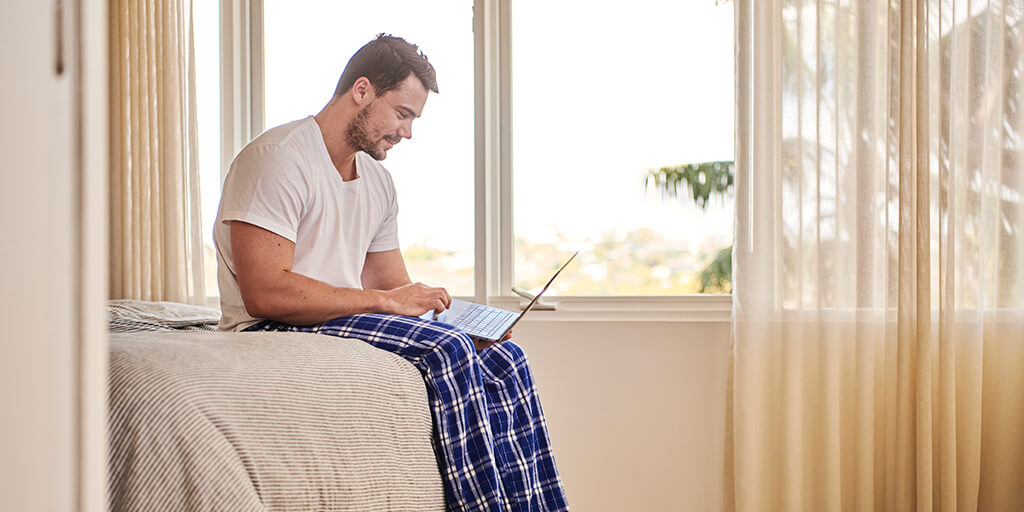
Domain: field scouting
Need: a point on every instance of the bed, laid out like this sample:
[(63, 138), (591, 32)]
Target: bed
[(203, 420)]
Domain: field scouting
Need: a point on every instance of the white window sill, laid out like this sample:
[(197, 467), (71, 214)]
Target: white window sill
[(688, 308), (213, 301)]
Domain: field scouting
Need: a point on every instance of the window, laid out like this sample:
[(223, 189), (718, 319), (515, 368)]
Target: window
[(508, 173), (306, 46), (603, 92)]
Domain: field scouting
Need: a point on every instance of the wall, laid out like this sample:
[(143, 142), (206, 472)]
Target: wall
[(636, 410), (52, 202), (37, 440)]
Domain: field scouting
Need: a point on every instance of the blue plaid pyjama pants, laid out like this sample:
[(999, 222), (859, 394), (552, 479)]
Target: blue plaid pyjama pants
[(491, 438)]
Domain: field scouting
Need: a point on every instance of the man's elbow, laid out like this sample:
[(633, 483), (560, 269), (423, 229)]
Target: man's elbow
[(258, 303)]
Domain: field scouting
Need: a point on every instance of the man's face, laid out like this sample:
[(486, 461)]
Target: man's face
[(385, 120)]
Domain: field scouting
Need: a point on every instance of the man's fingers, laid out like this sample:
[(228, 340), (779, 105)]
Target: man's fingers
[(481, 344), (417, 295), (446, 300)]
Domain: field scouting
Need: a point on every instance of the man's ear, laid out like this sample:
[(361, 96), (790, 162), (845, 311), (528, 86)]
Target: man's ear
[(363, 91)]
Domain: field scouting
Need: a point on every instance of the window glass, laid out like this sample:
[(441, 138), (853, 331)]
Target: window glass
[(307, 44), (602, 94)]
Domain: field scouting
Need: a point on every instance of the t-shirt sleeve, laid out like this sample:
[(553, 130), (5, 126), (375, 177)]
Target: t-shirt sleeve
[(386, 238), (267, 188)]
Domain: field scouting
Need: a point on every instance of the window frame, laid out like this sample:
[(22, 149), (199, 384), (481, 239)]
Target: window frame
[(242, 103)]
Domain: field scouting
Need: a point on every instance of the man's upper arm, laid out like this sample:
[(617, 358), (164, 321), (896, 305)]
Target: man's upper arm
[(266, 187), (261, 258), (384, 270)]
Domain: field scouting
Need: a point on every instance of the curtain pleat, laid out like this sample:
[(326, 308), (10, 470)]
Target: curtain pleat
[(879, 257), (155, 238)]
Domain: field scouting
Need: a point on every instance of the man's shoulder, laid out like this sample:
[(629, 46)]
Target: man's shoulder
[(284, 146), (289, 136)]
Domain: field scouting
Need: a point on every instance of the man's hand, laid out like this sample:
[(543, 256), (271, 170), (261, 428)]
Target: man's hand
[(417, 298), (482, 344)]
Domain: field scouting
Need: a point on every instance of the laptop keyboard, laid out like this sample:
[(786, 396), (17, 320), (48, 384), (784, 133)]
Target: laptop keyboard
[(482, 321)]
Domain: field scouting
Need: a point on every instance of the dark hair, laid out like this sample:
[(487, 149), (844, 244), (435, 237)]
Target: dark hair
[(386, 62)]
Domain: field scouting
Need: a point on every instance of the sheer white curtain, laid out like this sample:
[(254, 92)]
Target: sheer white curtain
[(155, 227), (878, 351)]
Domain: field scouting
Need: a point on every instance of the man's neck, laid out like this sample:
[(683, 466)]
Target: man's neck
[(332, 126)]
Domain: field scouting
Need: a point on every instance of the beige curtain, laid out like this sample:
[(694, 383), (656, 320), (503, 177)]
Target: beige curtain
[(155, 229), (878, 348)]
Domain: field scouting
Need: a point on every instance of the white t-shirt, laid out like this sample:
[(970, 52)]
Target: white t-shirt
[(284, 182)]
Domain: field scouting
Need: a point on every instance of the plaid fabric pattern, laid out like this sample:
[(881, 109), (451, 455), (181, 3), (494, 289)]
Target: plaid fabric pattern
[(491, 438)]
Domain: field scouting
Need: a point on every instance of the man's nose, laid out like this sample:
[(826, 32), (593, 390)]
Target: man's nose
[(405, 130)]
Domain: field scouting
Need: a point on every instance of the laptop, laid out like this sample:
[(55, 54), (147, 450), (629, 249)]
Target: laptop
[(486, 322)]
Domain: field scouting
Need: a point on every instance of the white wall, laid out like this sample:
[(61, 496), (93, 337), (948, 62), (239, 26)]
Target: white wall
[(52, 257), (37, 441), (636, 410)]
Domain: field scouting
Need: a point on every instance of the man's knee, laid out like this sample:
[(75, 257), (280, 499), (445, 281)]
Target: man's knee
[(503, 360), (457, 345), (511, 350)]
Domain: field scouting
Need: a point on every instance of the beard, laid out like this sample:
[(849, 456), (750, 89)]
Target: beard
[(357, 135)]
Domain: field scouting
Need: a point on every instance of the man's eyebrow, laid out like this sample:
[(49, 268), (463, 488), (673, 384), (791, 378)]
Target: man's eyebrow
[(409, 111)]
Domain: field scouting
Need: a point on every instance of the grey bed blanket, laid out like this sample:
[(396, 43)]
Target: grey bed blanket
[(266, 421)]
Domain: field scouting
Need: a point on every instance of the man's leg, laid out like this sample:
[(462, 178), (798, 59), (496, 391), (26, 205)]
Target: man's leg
[(529, 477), (458, 398)]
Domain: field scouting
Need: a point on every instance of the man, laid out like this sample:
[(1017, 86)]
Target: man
[(306, 240)]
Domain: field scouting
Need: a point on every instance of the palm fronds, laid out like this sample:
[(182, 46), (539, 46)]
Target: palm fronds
[(701, 180)]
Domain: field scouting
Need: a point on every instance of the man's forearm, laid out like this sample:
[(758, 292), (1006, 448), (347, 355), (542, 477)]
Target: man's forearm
[(269, 289), (299, 300)]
